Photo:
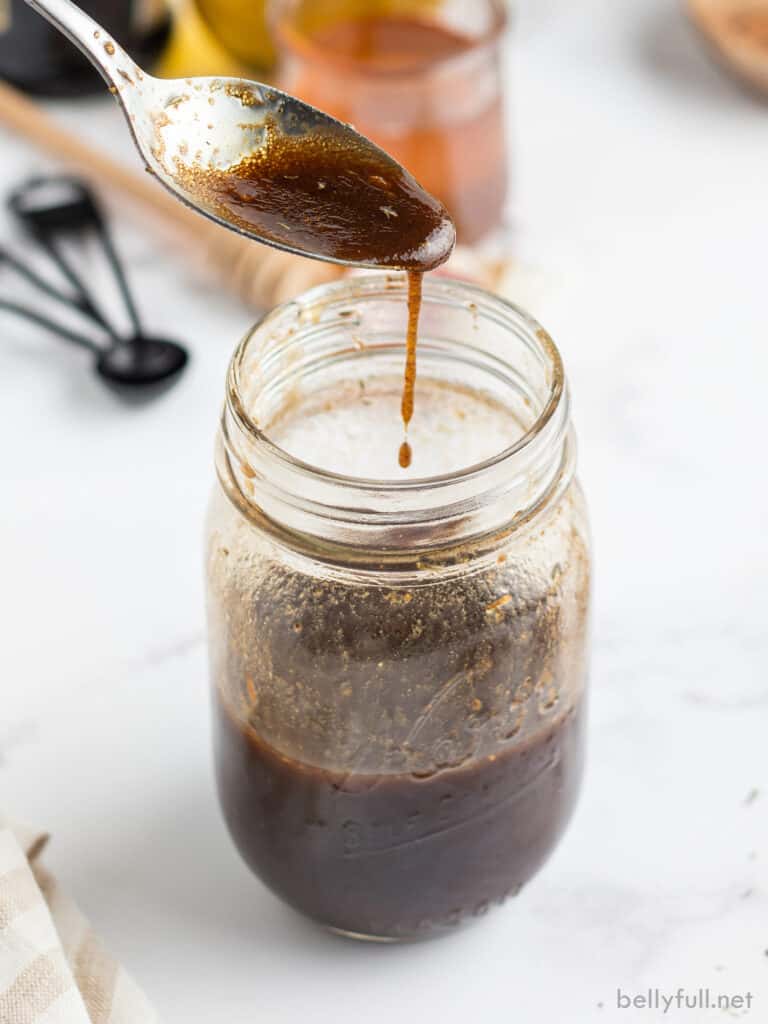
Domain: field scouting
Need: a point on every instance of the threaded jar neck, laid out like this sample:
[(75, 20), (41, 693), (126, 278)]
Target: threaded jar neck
[(352, 333)]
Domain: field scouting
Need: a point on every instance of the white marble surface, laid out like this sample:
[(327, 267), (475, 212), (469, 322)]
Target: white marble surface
[(641, 197)]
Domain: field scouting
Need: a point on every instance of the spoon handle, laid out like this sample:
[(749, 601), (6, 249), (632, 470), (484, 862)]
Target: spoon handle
[(99, 47)]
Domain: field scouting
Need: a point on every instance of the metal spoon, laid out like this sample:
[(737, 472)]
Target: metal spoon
[(190, 130)]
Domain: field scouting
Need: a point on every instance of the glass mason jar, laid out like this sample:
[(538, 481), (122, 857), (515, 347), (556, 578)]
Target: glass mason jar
[(422, 78), (398, 659)]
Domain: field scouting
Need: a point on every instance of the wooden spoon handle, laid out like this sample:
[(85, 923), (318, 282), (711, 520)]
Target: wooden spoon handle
[(737, 31)]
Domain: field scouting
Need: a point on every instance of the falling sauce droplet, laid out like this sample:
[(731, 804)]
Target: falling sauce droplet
[(405, 455)]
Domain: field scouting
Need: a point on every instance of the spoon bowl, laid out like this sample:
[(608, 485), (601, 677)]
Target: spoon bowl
[(216, 143)]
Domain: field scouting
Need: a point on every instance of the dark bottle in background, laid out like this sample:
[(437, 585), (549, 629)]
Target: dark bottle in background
[(38, 59)]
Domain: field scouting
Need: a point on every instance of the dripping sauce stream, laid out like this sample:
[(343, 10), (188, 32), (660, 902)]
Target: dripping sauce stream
[(415, 279)]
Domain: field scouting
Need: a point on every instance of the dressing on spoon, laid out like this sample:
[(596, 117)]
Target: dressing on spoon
[(348, 202)]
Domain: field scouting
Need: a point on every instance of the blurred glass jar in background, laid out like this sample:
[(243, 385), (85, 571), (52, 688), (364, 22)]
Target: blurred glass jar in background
[(422, 78)]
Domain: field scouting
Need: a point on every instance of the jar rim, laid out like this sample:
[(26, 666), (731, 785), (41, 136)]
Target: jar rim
[(297, 43), (305, 306), (314, 508)]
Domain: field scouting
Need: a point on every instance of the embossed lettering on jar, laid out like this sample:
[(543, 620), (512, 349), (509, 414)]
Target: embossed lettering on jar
[(398, 658)]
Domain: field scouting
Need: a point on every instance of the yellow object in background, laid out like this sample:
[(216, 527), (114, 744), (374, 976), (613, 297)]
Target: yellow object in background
[(241, 26), (197, 44)]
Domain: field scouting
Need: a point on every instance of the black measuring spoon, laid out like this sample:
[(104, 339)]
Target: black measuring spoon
[(50, 209)]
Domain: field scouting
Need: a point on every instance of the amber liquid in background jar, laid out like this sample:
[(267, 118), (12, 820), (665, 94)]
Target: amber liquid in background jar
[(422, 79)]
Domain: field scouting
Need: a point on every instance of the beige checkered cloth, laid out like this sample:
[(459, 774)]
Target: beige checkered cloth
[(53, 969)]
